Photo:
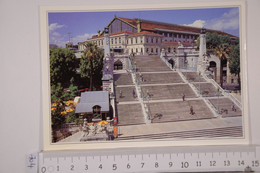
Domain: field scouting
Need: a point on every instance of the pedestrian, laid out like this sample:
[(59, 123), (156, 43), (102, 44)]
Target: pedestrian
[(120, 94), (183, 97), (142, 78), (147, 92), (233, 107), (191, 110), (134, 93)]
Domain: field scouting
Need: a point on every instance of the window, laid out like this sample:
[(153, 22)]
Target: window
[(115, 40), (170, 35), (135, 40), (147, 41), (147, 49), (131, 40), (112, 41), (119, 40), (136, 50), (156, 40), (141, 39), (151, 50), (156, 50), (151, 40)]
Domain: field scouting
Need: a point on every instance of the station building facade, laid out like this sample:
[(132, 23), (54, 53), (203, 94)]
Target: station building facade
[(144, 37)]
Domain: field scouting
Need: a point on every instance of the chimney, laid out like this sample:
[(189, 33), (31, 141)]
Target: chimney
[(139, 25)]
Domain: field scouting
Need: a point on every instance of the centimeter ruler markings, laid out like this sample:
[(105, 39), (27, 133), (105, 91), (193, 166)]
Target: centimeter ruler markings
[(180, 159)]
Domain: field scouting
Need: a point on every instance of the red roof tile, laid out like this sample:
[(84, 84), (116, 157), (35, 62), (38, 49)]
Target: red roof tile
[(146, 33), (153, 26), (117, 33)]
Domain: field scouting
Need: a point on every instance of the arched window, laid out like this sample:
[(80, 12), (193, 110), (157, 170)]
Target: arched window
[(118, 65)]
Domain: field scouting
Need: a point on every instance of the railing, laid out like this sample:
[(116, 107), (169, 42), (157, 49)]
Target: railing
[(140, 94), (166, 62), (234, 99)]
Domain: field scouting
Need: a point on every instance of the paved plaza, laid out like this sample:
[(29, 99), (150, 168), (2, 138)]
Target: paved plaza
[(161, 78), (207, 89), (123, 79), (150, 64), (130, 114), (193, 77), (224, 105), (161, 92), (179, 111), (126, 94)]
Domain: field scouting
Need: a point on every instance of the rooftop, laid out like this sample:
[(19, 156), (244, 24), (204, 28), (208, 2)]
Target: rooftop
[(92, 98)]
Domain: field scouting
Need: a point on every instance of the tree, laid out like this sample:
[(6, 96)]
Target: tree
[(234, 62), (222, 51), (91, 64), (214, 39), (220, 46), (62, 66), (71, 92)]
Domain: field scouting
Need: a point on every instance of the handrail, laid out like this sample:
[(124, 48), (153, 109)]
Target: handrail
[(235, 100)]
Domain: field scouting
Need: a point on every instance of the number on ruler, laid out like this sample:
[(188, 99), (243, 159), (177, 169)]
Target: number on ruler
[(58, 168), (128, 166), (100, 166), (255, 163), (43, 170), (142, 164), (241, 163), (212, 163), (226, 163), (72, 167), (198, 163), (156, 165), (170, 164), (86, 167), (184, 164), (114, 167)]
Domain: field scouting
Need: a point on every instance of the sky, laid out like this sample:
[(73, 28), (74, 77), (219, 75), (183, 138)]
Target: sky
[(79, 26)]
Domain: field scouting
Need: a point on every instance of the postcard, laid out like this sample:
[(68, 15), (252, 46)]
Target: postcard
[(173, 75)]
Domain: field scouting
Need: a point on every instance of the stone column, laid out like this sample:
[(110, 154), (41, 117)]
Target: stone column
[(228, 73), (202, 52)]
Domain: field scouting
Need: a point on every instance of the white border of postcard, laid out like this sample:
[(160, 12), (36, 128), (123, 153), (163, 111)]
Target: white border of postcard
[(152, 143)]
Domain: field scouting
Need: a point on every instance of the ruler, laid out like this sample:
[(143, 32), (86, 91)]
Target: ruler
[(167, 159)]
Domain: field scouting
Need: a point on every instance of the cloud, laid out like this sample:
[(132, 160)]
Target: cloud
[(197, 23), (54, 36), (54, 26), (60, 39), (81, 38), (228, 21)]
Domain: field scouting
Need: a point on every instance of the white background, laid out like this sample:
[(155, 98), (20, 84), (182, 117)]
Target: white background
[(20, 71)]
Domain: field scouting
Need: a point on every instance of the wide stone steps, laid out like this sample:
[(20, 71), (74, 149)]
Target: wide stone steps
[(235, 131)]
